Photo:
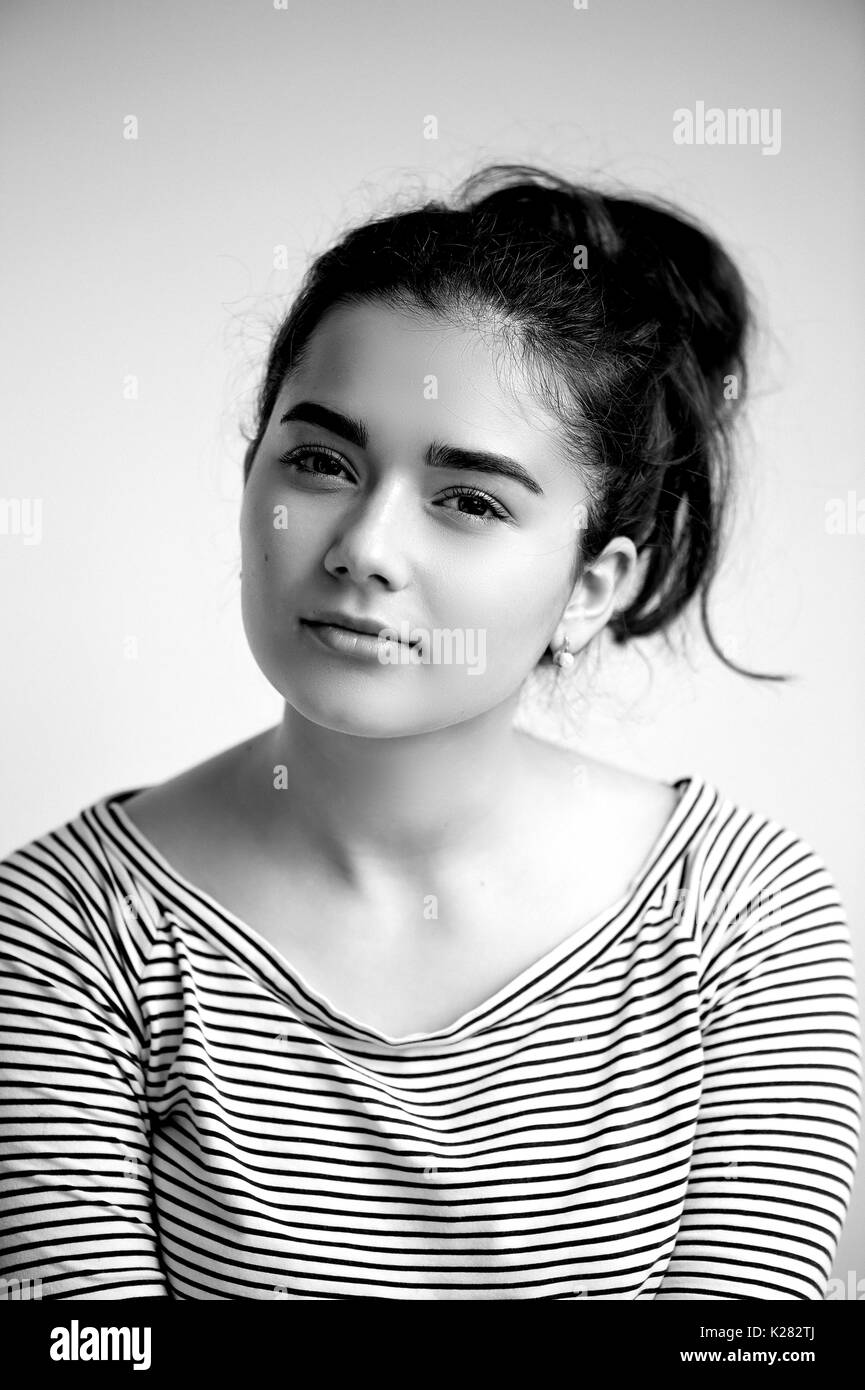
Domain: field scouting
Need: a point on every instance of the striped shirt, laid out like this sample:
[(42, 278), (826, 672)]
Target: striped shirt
[(666, 1105)]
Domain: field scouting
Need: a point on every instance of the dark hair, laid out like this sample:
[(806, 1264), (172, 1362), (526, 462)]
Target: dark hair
[(631, 321)]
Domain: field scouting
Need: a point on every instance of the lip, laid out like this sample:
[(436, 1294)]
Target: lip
[(331, 617), (350, 642), (334, 618)]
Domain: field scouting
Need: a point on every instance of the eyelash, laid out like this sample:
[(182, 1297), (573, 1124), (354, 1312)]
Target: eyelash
[(309, 450)]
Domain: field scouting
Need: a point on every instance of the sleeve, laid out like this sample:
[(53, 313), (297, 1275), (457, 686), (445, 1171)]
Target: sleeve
[(75, 1195), (777, 1133)]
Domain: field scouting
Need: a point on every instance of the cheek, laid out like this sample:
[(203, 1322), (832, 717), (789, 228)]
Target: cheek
[(274, 538), (516, 597), (271, 560)]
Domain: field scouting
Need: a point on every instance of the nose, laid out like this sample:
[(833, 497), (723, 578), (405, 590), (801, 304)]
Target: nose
[(370, 542)]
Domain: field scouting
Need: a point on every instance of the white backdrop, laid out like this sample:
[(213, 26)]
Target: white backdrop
[(169, 169)]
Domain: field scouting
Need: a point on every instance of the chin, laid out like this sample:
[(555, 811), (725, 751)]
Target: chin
[(370, 713), (342, 701)]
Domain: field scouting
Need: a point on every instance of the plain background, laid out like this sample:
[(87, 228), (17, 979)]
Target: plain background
[(262, 133)]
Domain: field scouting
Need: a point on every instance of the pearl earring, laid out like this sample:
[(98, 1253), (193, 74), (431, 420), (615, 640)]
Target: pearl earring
[(563, 656)]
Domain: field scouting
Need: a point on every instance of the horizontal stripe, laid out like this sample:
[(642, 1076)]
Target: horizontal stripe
[(665, 1105)]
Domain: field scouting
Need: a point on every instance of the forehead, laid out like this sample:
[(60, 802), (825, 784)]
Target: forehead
[(396, 368)]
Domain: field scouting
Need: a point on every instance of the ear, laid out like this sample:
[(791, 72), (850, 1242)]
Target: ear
[(602, 589)]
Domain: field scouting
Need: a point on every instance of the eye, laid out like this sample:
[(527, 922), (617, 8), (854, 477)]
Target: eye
[(297, 459), (475, 496), (294, 459)]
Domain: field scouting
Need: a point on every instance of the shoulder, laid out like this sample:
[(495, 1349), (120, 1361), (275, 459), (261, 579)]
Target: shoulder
[(53, 918), (760, 898), (747, 849), (45, 869), (191, 806), (613, 799), (64, 898), (742, 870), (70, 948)]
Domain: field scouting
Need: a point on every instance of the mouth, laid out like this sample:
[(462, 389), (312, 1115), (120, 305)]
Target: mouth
[(362, 642)]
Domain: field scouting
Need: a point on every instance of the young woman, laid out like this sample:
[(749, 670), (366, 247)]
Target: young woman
[(393, 999)]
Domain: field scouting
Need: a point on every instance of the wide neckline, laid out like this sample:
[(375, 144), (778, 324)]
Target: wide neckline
[(112, 806)]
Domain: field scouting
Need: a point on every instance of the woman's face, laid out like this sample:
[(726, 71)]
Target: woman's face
[(368, 528)]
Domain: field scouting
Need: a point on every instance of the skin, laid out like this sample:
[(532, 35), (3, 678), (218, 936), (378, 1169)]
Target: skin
[(401, 777)]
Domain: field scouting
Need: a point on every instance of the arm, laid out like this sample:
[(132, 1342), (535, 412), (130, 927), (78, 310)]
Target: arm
[(778, 1128), (75, 1202)]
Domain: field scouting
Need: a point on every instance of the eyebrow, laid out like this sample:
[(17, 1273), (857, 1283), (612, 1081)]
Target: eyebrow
[(438, 455)]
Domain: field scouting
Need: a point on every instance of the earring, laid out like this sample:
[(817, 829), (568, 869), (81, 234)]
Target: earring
[(563, 656)]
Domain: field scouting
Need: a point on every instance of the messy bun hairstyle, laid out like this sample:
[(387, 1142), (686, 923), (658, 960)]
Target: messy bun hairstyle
[(631, 323)]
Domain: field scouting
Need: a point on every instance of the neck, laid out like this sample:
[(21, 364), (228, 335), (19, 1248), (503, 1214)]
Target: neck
[(374, 808)]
